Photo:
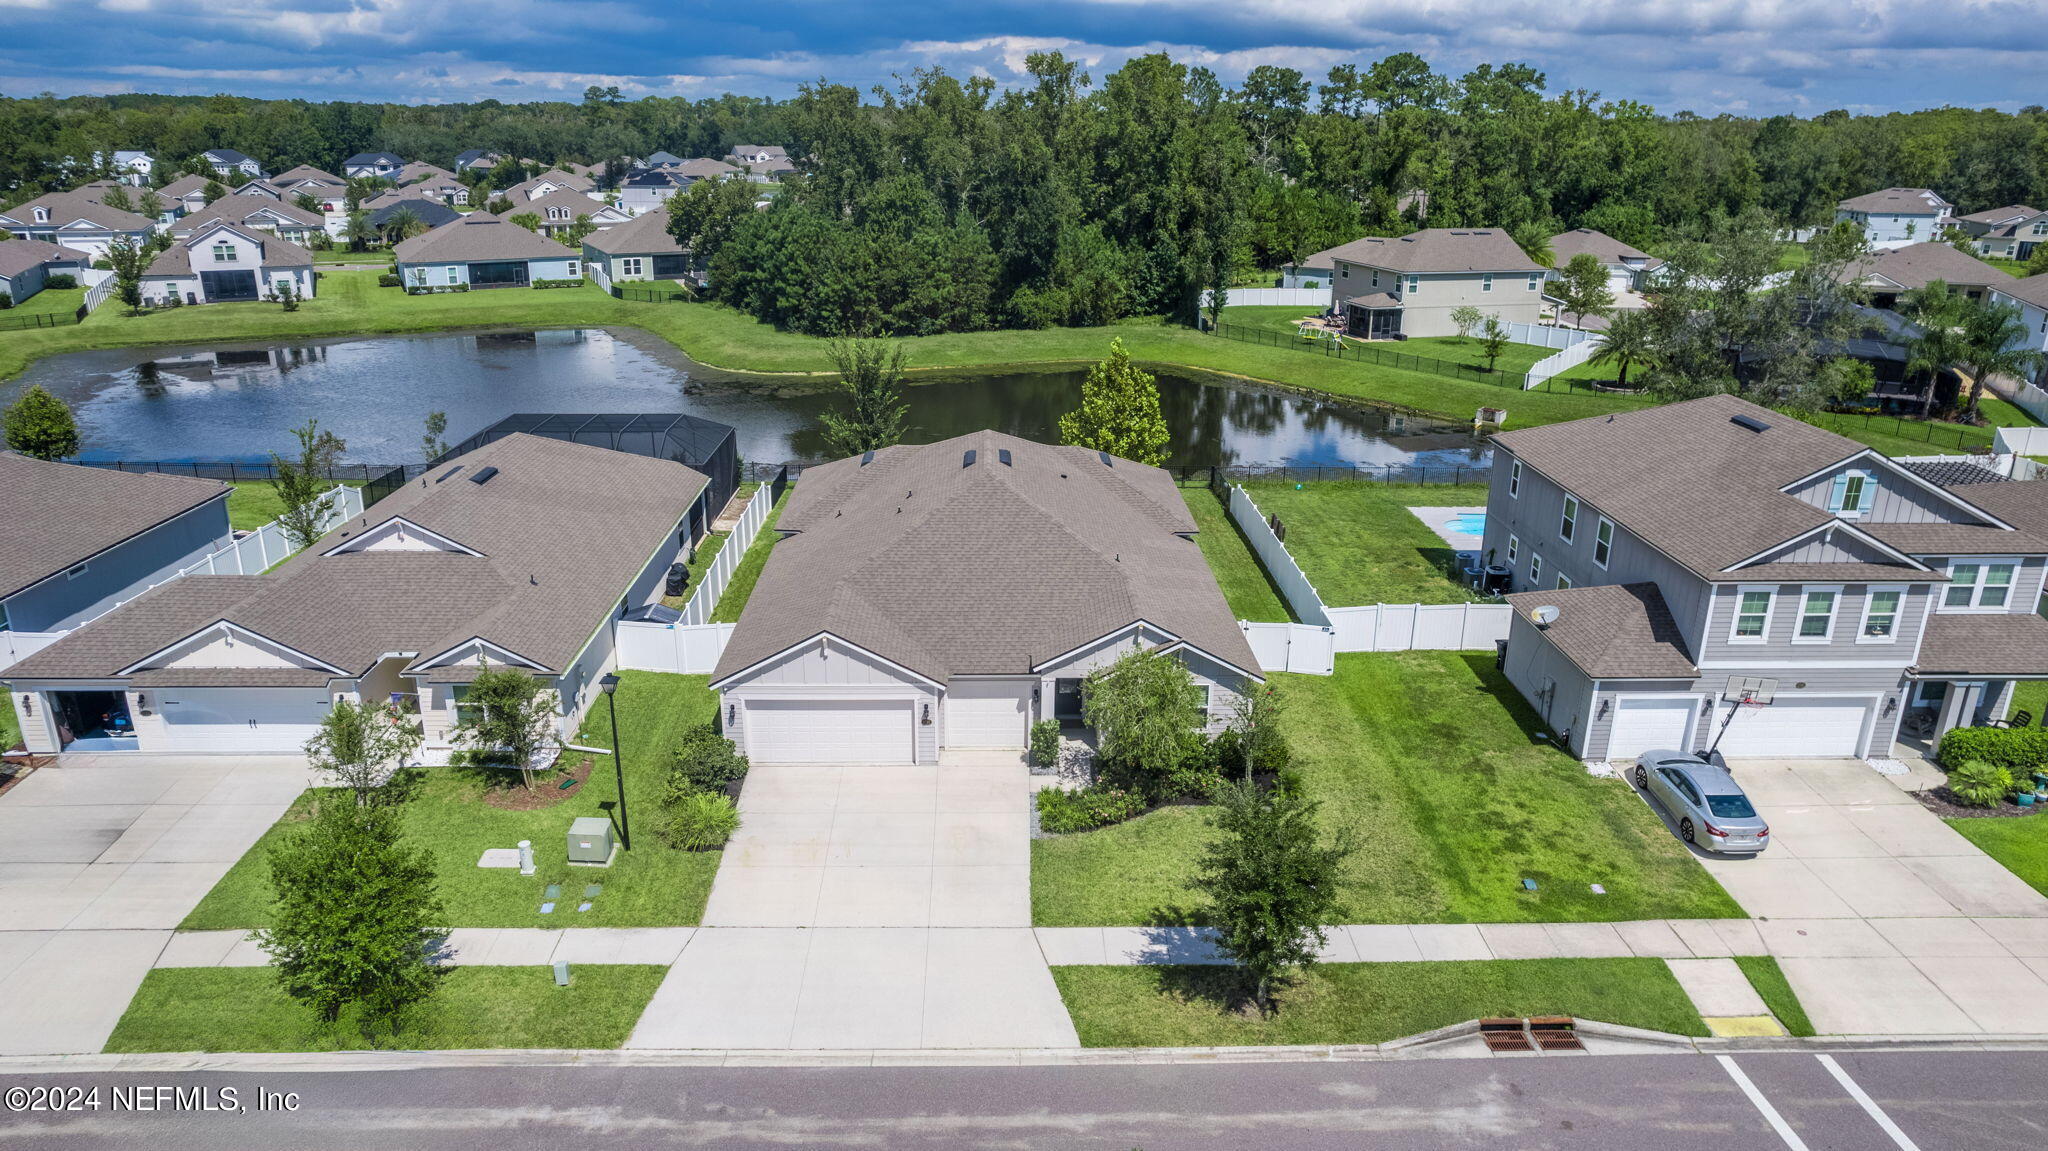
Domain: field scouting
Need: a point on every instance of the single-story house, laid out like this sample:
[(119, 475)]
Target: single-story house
[(183, 196), (26, 264), (431, 212), (373, 165), (280, 217), (219, 262), (225, 160), (1395, 288), (559, 210), (1315, 271), (520, 554), (1890, 273), (427, 179), (641, 249), (327, 190), (1895, 217), (939, 598), (704, 446), (483, 251), (81, 539), (1626, 265), (76, 220), (660, 159)]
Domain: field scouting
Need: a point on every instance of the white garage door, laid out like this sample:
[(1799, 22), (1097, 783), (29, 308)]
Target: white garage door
[(240, 720), (988, 714), (829, 731), (1798, 727), (1642, 725)]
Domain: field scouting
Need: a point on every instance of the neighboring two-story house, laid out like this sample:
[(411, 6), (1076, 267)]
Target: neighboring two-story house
[(373, 166), (1626, 265), (134, 167), (559, 211), (1394, 289), (220, 262), (1895, 217), (329, 191), (2030, 296), (1659, 552), (254, 211), (225, 160), (2005, 231), (77, 220)]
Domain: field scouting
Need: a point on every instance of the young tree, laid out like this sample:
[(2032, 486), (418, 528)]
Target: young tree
[(1271, 882), (1583, 290), (2037, 264), (305, 202), (576, 232), (355, 913), (116, 198), (528, 220), (303, 485), (129, 260), (1493, 340), (431, 443), (40, 425), (288, 295), (703, 216), (1119, 411), (1146, 711), (213, 190), (1467, 317), (361, 744), (1631, 339), (508, 713), (498, 206), (149, 204), (871, 375)]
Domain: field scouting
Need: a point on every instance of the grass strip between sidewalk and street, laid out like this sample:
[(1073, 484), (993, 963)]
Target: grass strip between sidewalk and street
[(473, 1008), (1775, 990), (1201, 1006)]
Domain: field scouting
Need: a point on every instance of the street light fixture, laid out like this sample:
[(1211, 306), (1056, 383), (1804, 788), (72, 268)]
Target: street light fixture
[(610, 683)]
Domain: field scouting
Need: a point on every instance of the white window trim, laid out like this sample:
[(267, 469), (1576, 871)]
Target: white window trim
[(1568, 519), (1564, 582), (1514, 549), (1770, 611), (1486, 282), (1983, 564), (1535, 570), (79, 570), (1514, 479), (1603, 538), (1870, 594), (1806, 592)]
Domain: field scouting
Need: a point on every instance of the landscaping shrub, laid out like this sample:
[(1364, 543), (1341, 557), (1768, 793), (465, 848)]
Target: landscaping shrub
[(1045, 742), (699, 820), (705, 761), (574, 283), (2018, 750), (60, 281), (1065, 811), (388, 280), (1979, 784), (6, 301)]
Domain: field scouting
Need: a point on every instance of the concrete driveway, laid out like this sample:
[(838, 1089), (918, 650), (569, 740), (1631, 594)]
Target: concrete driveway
[(1885, 920), (869, 907), (100, 858)]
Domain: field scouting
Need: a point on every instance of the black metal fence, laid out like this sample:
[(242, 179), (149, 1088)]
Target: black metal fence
[(1926, 431), (13, 321), (1219, 476), (236, 472), (652, 295)]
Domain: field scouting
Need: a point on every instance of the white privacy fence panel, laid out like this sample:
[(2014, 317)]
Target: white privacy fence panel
[(1564, 361), (1296, 647), (2033, 401), (1547, 336), (16, 646), (705, 598), (98, 293), (1294, 586), (2023, 441), (685, 649), (595, 270), (1272, 297), (1420, 627)]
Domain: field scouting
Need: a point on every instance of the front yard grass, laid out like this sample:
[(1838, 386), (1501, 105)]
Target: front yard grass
[(733, 600), (2018, 842), (243, 1009), (1245, 583), (1768, 978), (1433, 759), (1358, 543), (1195, 1006), (653, 885)]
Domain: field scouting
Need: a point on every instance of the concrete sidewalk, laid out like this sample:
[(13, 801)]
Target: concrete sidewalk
[(1424, 942), (466, 947)]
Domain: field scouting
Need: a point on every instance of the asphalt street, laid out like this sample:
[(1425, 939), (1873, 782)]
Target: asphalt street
[(1984, 1101)]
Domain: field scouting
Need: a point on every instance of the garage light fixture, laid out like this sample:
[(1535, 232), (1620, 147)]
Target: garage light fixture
[(927, 720)]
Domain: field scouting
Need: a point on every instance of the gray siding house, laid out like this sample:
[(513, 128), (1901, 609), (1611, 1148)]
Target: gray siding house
[(25, 265), (1679, 546), (945, 597), (1895, 217), (641, 249), (1399, 288)]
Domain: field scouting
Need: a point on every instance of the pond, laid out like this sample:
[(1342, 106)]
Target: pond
[(238, 402)]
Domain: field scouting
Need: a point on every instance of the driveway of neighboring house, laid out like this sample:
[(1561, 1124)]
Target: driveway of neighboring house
[(869, 907), (100, 858), (1884, 920)]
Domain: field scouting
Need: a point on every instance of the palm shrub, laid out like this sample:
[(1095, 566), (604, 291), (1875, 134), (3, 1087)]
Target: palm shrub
[(698, 820), (1976, 783)]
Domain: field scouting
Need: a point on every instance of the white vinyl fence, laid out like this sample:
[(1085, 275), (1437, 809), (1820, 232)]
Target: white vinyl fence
[(98, 293), (1272, 297), (1547, 336), (2033, 401), (1563, 361), (692, 645), (595, 270), (2023, 441), (16, 646), (1421, 627)]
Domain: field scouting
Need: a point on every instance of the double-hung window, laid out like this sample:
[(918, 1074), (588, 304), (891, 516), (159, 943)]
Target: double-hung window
[(1881, 615), (630, 266), (1514, 549), (454, 277), (1568, 523), (464, 712), (1980, 585), (1752, 623), (1535, 569), (1486, 282), (1852, 494), (1564, 581), (1817, 615), (1535, 280), (1515, 480), (1414, 284), (1603, 542)]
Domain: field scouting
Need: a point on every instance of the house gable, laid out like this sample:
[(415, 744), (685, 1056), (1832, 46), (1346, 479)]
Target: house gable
[(1886, 493), (228, 645), (822, 660), (469, 653), (398, 534), (1826, 545)]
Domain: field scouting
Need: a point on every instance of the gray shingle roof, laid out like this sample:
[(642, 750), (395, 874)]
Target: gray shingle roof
[(1440, 250), (59, 514), (990, 568), (176, 260), (576, 202), (240, 209), (1999, 215), (305, 172), (1938, 539), (18, 256), (1602, 246), (2033, 289), (478, 236), (2023, 504), (1917, 265), (70, 207), (564, 529), (1613, 631), (1967, 643), (645, 234), (183, 186), (1896, 202)]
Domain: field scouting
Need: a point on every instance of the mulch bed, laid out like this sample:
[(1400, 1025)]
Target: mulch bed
[(1941, 801), (547, 789)]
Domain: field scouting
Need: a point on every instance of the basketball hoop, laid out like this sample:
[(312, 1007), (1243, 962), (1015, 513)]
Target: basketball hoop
[(1743, 691)]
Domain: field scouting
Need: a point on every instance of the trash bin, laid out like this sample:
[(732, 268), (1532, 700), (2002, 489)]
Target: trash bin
[(678, 578), (590, 841)]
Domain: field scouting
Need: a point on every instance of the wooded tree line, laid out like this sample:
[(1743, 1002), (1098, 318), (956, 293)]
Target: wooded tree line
[(946, 203)]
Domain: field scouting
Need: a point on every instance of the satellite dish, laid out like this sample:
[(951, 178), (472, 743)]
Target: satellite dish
[(1544, 616)]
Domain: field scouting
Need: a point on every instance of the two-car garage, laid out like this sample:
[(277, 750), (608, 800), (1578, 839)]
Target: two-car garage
[(245, 720), (1791, 727), (845, 728)]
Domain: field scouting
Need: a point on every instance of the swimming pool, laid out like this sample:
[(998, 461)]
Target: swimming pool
[(1471, 523)]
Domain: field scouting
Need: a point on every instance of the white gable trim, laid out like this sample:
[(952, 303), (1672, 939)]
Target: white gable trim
[(507, 655), (227, 627), (398, 523), (1892, 468), (1835, 526), (821, 639), (1111, 637), (1205, 653)]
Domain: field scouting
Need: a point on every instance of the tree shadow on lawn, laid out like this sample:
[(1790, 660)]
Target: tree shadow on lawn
[(1222, 988)]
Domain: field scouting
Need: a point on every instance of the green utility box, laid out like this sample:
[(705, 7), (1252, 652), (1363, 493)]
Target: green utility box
[(590, 842)]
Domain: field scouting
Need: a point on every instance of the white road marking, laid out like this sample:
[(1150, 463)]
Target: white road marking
[(1868, 1104), (1763, 1105)]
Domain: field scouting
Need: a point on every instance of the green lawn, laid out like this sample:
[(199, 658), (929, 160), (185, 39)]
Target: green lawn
[(243, 1009), (652, 885), (1515, 360), (2000, 414), (254, 503), (733, 600), (50, 300), (1432, 758), (340, 256), (2018, 842), (2016, 268), (1195, 1006), (10, 727), (1358, 543), (1765, 975), (2030, 695), (1243, 579)]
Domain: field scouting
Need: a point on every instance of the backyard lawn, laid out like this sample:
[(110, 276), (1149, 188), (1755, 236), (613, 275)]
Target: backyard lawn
[(1195, 1006), (1358, 543), (49, 301), (653, 885), (1243, 579), (1514, 361), (243, 1009), (2001, 414), (1434, 761), (254, 503), (10, 727), (733, 600)]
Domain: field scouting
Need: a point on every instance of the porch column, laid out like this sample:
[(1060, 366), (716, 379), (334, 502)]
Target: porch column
[(1957, 707)]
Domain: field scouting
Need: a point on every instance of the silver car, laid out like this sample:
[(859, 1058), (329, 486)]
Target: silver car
[(1710, 807)]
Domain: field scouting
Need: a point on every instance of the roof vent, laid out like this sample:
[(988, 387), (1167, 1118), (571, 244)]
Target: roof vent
[(866, 458), (967, 458), (1106, 461), (484, 476), (1750, 422), (1003, 457)]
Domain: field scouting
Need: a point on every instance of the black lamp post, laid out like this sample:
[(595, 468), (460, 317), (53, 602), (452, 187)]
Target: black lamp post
[(610, 683)]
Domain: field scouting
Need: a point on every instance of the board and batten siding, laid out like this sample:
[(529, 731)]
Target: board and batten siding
[(825, 669), (1897, 500), (1225, 685), (1426, 311), (122, 572)]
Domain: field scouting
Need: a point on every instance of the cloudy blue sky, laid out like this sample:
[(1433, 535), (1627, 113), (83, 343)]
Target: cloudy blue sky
[(1744, 56)]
